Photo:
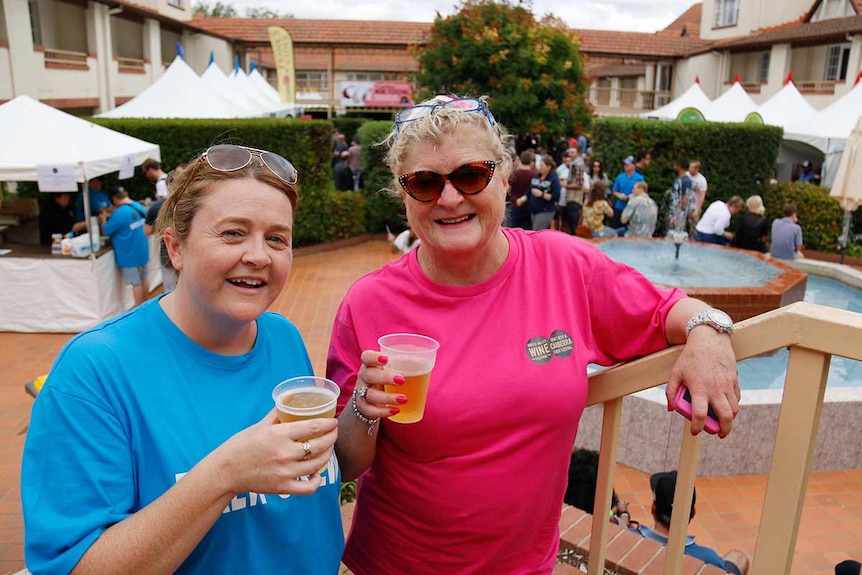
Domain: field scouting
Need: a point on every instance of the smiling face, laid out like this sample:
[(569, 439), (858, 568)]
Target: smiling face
[(455, 223), (237, 254)]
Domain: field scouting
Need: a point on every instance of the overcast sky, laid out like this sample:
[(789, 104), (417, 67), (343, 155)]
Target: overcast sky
[(628, 15)]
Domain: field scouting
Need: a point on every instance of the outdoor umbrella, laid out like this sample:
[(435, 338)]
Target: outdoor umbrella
[(847, 186)]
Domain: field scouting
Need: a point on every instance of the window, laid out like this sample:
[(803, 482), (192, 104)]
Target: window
[(837, 59), (763, 68), (372, 77), (726, 13), (35, 25), (312, 82), (664, 75)]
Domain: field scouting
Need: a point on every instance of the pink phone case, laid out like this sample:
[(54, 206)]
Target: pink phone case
[(683, 406)]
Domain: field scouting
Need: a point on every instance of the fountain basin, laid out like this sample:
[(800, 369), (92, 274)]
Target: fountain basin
[(743, 283)]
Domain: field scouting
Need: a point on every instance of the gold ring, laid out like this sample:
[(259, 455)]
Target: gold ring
[(307, 447)]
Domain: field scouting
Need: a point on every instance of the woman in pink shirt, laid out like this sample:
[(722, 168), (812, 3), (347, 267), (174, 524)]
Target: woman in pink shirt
[(477, 485)]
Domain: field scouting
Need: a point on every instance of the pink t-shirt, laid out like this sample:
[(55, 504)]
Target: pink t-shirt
[(477, 485)]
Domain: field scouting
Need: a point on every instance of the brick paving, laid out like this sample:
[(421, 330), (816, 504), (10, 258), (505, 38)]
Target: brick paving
[(728, 508)]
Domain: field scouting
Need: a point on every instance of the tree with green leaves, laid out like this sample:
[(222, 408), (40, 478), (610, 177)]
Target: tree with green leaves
[(224, 10), (531, 70), (218, 10)]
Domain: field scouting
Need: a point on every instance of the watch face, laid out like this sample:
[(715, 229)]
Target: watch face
[(721, 318)]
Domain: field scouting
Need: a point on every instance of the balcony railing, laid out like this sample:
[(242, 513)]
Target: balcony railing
[(813, 333), (815, 86), (628, 100), (65, 59), (130, 65)]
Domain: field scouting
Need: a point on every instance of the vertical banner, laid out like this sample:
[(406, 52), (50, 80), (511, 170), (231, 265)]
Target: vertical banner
[(282, 50)]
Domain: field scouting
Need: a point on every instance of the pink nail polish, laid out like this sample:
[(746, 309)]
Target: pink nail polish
[(394, 411), (382, 359), (399, 379), (401, 399)]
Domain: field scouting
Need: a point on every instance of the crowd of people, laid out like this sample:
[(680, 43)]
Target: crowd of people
[(578, 197)]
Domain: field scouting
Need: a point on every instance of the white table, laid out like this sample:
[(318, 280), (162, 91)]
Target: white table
[(40, 292)]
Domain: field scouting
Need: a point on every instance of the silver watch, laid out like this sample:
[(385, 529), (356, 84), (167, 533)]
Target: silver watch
[(712, 317)]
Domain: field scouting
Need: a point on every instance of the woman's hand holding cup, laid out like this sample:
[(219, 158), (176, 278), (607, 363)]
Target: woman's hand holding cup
[(372, 403)]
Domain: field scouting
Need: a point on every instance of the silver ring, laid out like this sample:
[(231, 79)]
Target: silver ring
[(360, 393), (307, 447)]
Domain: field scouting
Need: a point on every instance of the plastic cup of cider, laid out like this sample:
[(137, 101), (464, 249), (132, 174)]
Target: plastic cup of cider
[(412, 356), (305, 397)]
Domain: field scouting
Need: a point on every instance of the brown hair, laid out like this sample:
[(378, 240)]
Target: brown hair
[(189, 187), (597, 192)]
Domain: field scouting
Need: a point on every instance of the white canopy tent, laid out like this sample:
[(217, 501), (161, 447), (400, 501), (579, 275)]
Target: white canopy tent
[(220, 84), (263, 87), (40, 293), (732, 106), (828, 130), (694, 97), (39, 134), (786, 107), (179, 93), (248, 87)]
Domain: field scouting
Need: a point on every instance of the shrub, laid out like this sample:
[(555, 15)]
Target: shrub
[(820, 216), (381, 209)]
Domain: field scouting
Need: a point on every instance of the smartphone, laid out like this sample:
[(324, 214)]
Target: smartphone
[(682, 404)]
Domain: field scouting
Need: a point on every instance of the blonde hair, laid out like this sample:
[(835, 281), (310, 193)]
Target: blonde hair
[(755, 205), (431, 129), (188, 188)]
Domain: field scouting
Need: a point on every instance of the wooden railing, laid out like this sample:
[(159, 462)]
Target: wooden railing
[(628, 99), (815, 86), (70, 58), (813, 333), (130, 65)]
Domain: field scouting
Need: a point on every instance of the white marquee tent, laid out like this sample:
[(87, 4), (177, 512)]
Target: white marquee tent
[(262, 86), (39, 134), (45, 294), (828, 130), (786, 107), (694, 97), (732, 106), (220, 83), (248, 87), (179, 93)]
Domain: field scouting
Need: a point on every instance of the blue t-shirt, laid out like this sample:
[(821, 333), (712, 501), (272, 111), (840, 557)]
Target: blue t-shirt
[(126, 228), (692, 549), (113, 429), (624, 184), (786, 237), (98, 201)]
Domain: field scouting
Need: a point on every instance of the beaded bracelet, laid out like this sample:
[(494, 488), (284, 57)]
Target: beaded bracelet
[(361, 391)]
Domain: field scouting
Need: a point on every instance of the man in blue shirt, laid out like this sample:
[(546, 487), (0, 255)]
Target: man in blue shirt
[(622, 189), (131, 248), (807, 174), (663, 488), (99, 201)]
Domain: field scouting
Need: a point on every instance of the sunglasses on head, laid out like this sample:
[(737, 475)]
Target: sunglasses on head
[(421, 111), (469, 179), (230, 158)]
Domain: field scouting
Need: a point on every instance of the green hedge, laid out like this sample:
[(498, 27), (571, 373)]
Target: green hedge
[(737, 159), (323, 214), (381, 209), (820, 216)]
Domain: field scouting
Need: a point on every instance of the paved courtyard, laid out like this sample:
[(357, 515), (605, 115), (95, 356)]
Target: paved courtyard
[(728, 508)]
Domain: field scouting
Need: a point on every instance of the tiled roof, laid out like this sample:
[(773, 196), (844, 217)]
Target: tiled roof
[(637, 43), (798, 34), (361, 32), (352, 61), (688, 24), (165, 21)]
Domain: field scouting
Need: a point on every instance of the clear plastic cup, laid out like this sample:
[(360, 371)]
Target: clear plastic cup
[(412, 356)]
